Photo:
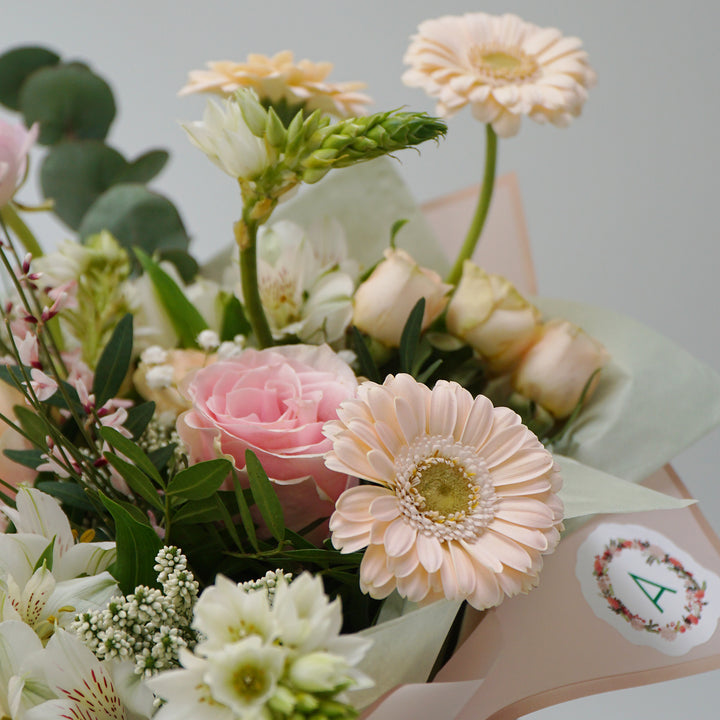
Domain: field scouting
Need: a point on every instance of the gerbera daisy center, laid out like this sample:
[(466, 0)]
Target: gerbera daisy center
[(502, 64), (444, 486)]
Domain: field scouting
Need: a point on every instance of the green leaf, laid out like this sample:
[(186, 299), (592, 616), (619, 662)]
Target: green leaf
[(137, 545), (114, 363), (16, 66), (69, 493), (244, 510), (46, 557), (410, 337), (27, 458), (185, 318), (228, 521), (201, 480), (265, 497), (196, 512), (184, 263), (137, 480), (75, 173), (36, 426), (69, 101), (161, 456), (145, 168), (138, 418), (137, 217), (368, 368), (234, 321), (131, 451), (397, 226)]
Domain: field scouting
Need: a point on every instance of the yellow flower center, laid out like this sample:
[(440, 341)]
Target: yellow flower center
[(445, 488), (503, 65), (249, 681)]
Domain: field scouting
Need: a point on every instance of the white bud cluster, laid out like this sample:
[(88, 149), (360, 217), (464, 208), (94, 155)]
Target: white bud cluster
[(161, 432), (151, 625), (268, 583)]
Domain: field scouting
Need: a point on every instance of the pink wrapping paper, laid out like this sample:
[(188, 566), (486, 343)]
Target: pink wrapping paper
[(549, 646)]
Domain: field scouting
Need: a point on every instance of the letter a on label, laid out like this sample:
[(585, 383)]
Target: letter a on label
[(641, 582)]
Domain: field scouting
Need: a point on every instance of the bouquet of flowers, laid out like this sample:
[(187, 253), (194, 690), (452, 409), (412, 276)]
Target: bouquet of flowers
[(228, 490)]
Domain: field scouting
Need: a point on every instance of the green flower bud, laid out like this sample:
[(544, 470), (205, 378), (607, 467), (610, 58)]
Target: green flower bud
[(275, 131), (253, 112)]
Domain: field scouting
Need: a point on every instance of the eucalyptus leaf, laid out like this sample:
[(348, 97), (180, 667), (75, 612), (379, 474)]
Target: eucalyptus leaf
[(16, 66), (114, 363), (75, 173), (185, 318), (265, 497), (201, 480), (137, 217), (184, 263), (144, 168), (69, 101), (137, 545)]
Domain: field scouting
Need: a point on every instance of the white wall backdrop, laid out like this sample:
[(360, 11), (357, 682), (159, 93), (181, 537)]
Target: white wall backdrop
[(621, 207)]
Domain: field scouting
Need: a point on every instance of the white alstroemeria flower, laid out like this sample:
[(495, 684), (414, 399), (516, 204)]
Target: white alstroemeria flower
[(85, 687), (306, 280), (224, 136), (225, 613), (42, 593), (20, 690), (308, 622)]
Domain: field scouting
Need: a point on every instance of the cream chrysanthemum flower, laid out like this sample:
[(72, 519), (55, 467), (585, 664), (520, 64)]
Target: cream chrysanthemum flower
[(279, 78), (463, 501), (502, 66)]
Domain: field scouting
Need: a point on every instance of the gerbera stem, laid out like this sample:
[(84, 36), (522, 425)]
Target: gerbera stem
[(481, 211), (246, 236)]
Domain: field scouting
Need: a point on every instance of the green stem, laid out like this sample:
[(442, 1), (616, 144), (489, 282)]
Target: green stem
[(250, 286), (23, 232), (481, 211)]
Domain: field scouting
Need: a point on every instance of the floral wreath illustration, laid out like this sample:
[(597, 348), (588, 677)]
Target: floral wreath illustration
[(694, 591)]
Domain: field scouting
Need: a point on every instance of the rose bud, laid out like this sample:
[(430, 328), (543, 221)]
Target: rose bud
[(488, 313), (557, 368), (384, 301)]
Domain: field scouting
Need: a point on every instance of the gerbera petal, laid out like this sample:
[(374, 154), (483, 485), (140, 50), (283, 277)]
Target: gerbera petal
[(429, 552), (399, 537), (443, 409)]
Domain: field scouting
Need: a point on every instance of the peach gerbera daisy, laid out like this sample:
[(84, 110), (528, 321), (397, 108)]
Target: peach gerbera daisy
[(503, 67), (279, 78), (463, 501)]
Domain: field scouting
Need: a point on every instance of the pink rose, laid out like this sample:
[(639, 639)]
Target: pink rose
[(274, 402), (15, 143)]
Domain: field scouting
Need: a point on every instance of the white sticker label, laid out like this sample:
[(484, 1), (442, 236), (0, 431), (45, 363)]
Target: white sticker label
[(647, 588)]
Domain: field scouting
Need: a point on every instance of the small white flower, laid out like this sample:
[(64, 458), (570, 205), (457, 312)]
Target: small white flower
[(159, 377), (208, 340), (224, 136), (154, 355)]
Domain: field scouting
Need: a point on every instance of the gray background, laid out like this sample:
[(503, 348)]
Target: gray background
[(621, 207)]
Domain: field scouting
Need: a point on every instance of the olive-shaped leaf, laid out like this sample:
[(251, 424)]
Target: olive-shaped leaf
[(75, 173), (137, 217), (16, 66), (69, 101)]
